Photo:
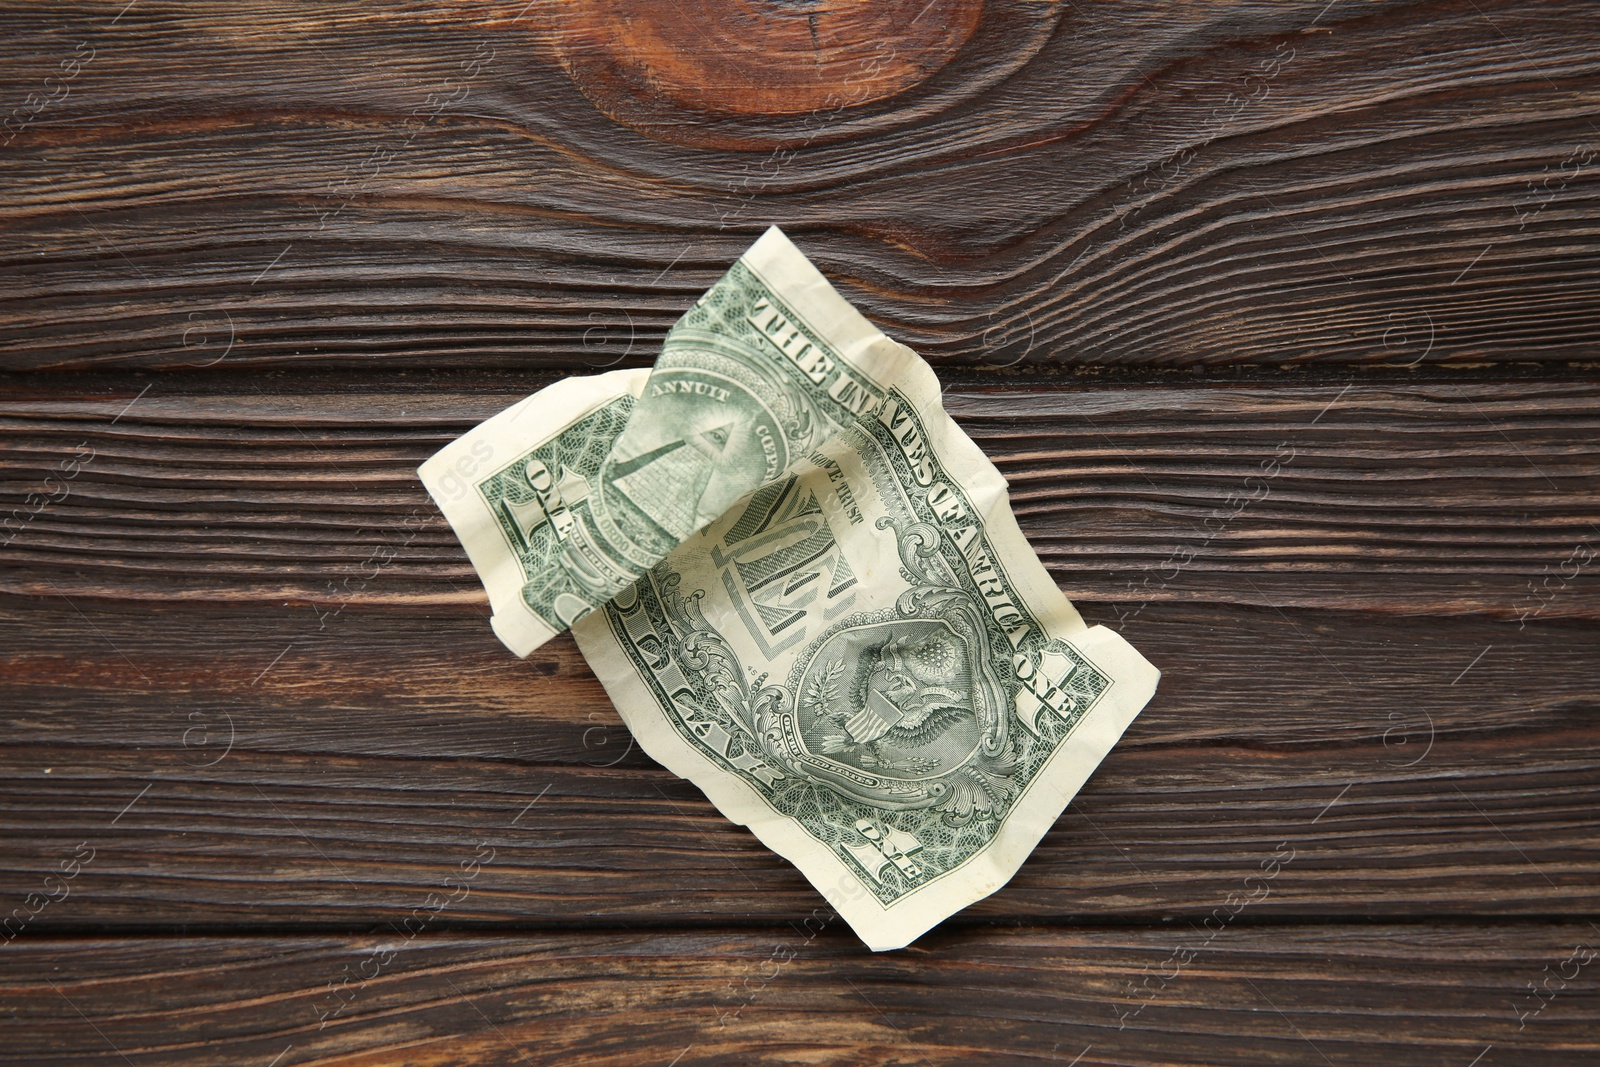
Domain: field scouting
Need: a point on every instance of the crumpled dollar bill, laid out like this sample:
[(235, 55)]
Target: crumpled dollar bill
[(803, 587)]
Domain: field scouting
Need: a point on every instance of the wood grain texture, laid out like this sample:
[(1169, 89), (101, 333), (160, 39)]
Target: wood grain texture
[(1254, 995), (1443, 497), (231, 765), (1110, 183), (247, 603), (1278, 317), (636, 59)]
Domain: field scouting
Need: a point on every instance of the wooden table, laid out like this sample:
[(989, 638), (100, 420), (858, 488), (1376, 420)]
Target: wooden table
[(1280, 318)]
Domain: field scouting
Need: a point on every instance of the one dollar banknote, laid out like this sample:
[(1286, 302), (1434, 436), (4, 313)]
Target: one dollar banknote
[(803, 587)]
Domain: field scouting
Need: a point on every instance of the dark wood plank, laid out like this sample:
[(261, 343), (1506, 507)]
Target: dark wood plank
[(247, 604), (1434, 498), (233, 765), (1430, 996), (1114, 184)]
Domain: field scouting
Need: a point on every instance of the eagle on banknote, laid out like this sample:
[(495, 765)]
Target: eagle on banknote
[(903, 705)]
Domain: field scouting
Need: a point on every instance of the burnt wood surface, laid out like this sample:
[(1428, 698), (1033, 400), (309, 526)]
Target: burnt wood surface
[(1279, 318)]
